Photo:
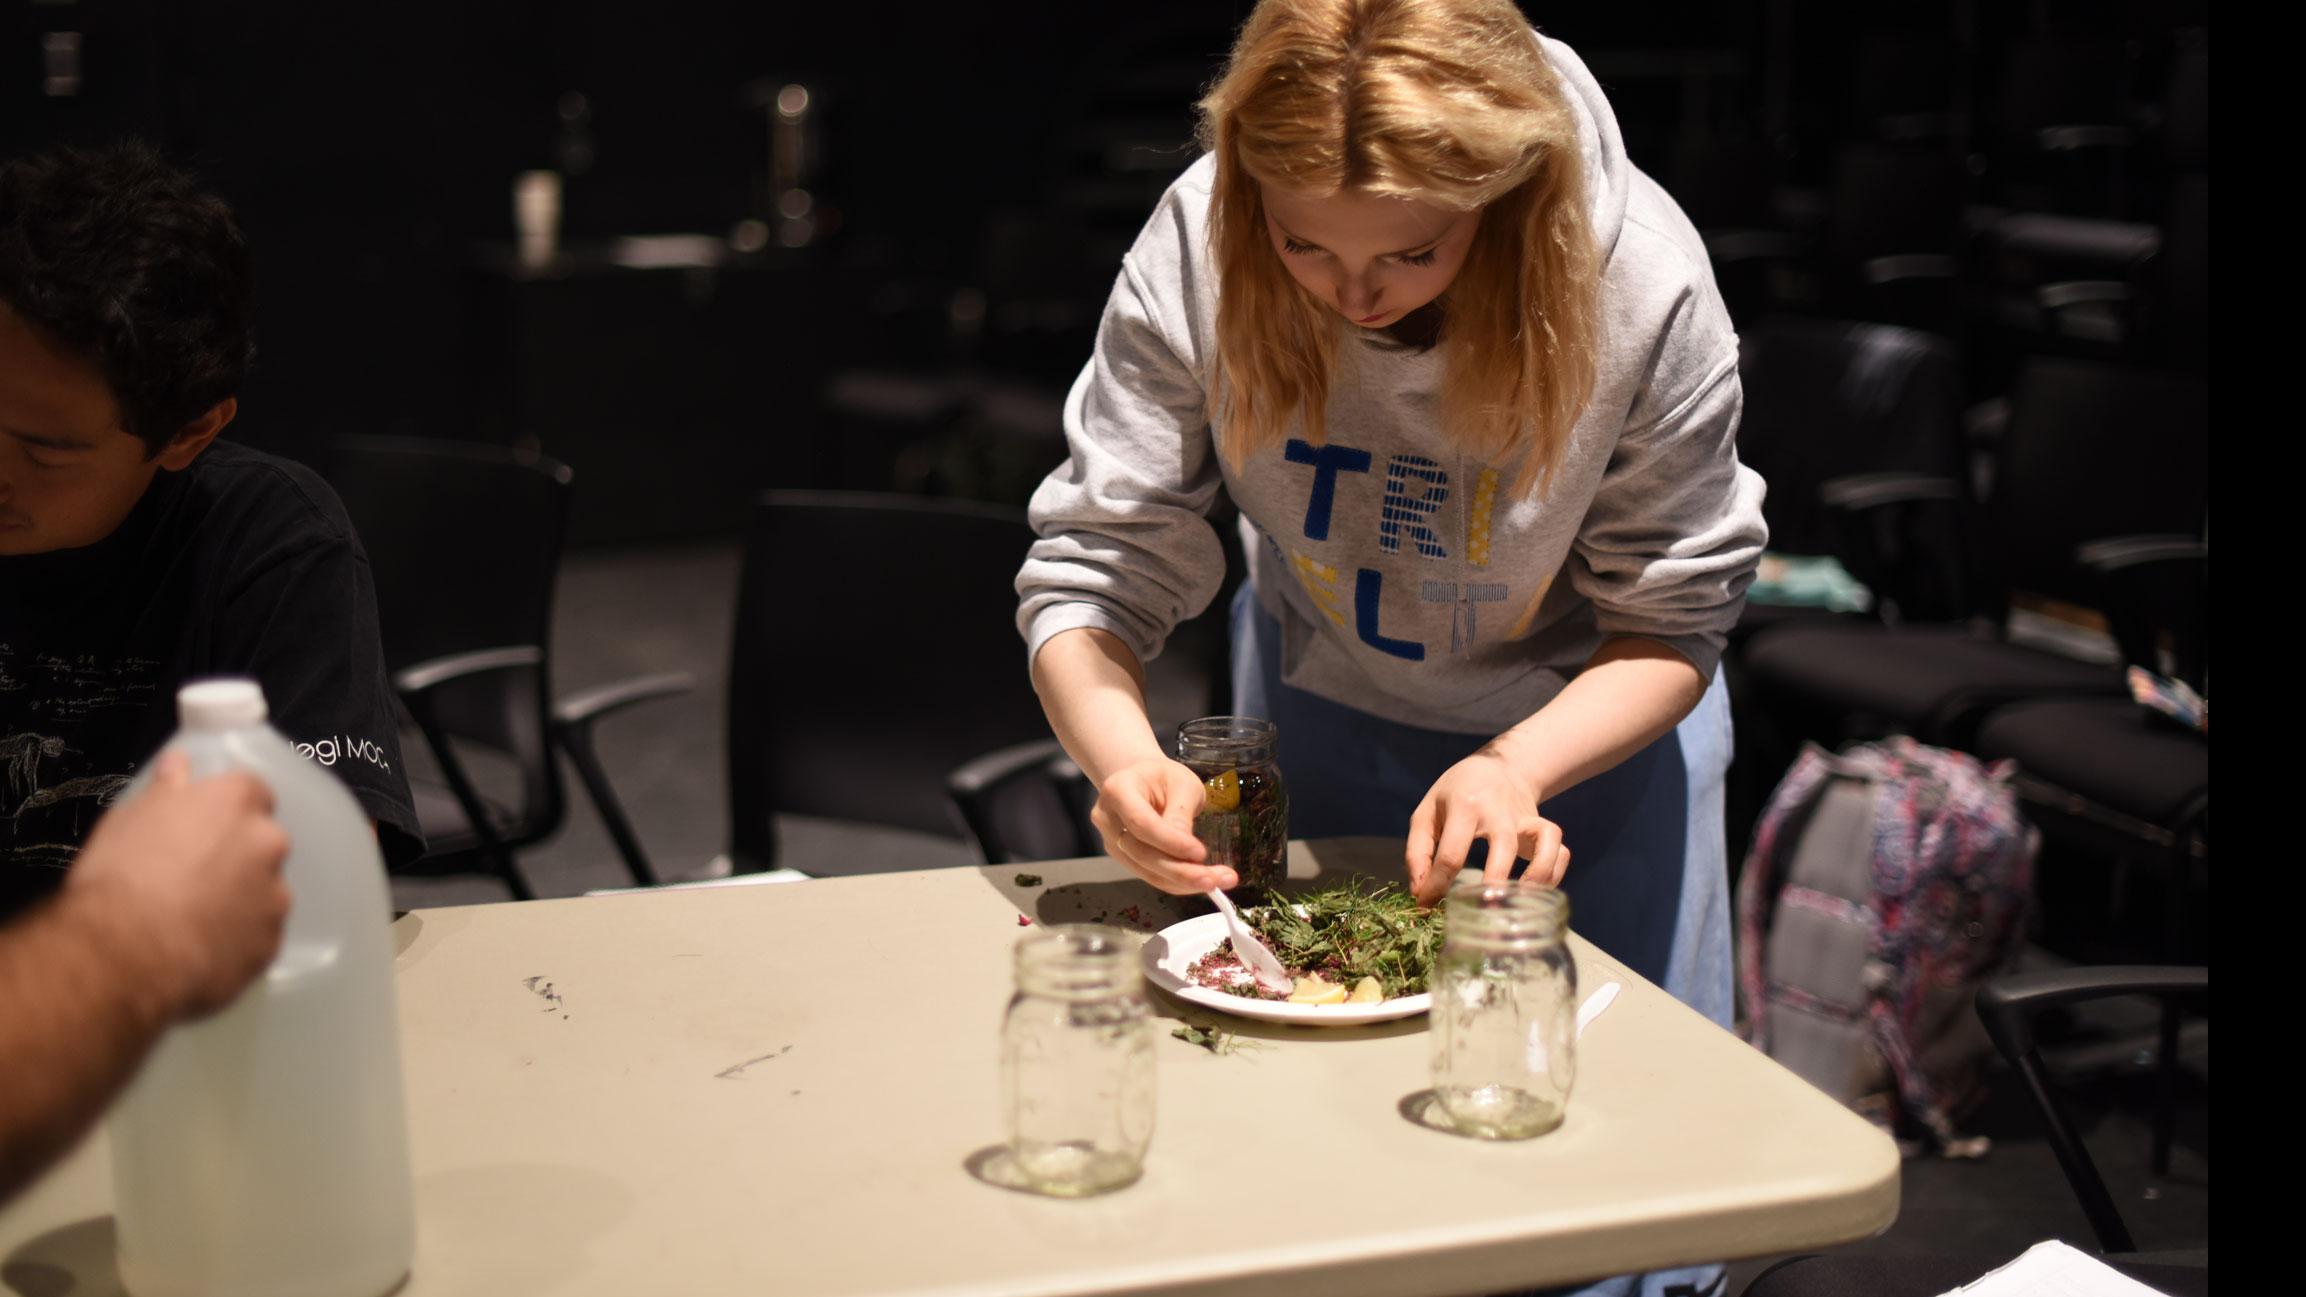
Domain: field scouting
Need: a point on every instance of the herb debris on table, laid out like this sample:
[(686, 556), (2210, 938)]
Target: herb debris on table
[(1216, 1040)]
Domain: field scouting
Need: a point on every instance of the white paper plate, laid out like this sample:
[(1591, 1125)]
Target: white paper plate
[(1171, 951)]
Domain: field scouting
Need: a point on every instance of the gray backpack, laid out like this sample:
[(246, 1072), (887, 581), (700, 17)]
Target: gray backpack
[(1885, 884)]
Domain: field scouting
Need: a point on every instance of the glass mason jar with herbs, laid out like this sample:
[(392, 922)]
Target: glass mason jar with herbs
[(1504, 1010), (1077, 1062), (1244, 818)]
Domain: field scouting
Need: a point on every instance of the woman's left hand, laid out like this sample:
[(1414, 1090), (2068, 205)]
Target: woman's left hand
[(1482, 798)]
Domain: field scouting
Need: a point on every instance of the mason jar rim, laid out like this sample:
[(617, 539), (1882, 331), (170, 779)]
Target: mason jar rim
[(1519, 912), (1228, 733), (1076, 960)]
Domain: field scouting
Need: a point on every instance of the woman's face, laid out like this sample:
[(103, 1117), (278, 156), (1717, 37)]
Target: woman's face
[(1372, 258)]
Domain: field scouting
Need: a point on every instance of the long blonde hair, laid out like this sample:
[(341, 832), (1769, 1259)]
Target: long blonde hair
[(1449, 102)]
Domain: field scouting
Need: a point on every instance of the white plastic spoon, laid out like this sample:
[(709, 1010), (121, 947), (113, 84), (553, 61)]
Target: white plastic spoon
[(1594, 1004), (1250, 951)]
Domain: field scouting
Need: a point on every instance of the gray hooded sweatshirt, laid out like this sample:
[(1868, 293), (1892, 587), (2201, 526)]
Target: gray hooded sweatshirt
[(1407, 578)]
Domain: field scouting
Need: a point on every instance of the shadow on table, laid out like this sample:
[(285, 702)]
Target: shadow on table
[(993, 1166), (1122, 903), (76, 1260), (72, 1260), (1424, 1109), (1184, 1013), (405, 930)]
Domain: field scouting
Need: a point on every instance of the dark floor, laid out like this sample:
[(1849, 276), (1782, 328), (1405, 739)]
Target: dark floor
[(629, 613)]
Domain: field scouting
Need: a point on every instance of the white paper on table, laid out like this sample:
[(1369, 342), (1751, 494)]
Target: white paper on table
[(2054, 1269)]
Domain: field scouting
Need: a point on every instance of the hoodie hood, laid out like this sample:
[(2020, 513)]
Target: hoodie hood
[(1608, 175)]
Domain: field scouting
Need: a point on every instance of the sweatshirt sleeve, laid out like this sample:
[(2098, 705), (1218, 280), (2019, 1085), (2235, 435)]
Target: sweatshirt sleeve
[(1125, 541), (1675, 531)]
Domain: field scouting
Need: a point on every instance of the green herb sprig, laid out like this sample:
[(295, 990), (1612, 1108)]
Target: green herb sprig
[(1353, 930)]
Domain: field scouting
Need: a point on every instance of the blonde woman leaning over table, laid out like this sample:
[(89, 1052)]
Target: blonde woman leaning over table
[(1464, 370)]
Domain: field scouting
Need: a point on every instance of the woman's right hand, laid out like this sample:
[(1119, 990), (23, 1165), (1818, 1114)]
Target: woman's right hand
[(1145, 811)]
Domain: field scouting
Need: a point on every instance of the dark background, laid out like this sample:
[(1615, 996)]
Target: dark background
[(983, 166)]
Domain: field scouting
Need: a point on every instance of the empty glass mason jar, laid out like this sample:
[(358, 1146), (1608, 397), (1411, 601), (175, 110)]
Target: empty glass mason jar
[(1504, 1010), (1244, 818), (1077, 1062)]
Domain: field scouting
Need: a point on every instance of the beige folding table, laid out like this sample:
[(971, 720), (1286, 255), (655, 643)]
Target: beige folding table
[(789, 1089)]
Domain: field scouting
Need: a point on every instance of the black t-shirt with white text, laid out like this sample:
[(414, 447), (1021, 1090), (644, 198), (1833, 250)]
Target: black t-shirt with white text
[(242, 564)]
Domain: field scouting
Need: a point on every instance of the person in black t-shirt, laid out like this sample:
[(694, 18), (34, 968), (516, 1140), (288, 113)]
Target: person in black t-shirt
[(137, 551)]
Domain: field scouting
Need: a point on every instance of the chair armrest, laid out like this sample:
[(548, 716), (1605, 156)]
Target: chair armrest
[(2008, 1005), (2068, 139), (582, 710), (2078, 292), (432, 673), (573, 719), (2156, 591), (991, 770), (1877, 271), (2121, 553), (1860, 492), (1905, 535)]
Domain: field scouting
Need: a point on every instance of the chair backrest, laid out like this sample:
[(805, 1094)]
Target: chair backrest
[(464, 540), (1902, 74), (2061, 81), (876, 650), (1829, 398), (2094, 451), (1029, 802), (1893, 200), (2063, 137)]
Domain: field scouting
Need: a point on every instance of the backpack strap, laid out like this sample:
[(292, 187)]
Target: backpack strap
[(1759, 882)]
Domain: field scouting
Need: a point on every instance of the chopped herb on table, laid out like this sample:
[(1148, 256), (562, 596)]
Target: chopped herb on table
[(1216, 1040), (1028, 880)]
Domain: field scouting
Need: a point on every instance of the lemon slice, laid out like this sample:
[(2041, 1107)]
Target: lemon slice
[(1313, 989), (1224, 792), (1366, 991)]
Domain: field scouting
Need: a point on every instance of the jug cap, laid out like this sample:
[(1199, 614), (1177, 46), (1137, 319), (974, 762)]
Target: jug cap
[(226, 704)]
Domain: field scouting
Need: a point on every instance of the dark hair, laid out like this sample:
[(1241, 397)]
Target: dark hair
[(126, 260)]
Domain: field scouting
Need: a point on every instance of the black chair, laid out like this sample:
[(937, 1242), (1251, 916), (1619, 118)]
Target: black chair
[(2063, 285), (465, 540), (2115, 779), (1829, 399), (1825, 400), (2064, 136), (876, 650), (1904, 86), (1028, 802), (2009, 1007), (2105, 289), (1724, 181), (2094, 453), (1894, 234), (2108, 774)]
